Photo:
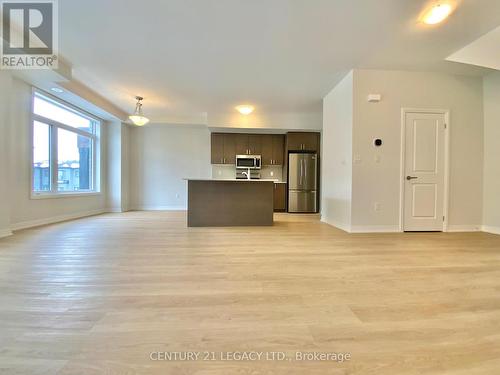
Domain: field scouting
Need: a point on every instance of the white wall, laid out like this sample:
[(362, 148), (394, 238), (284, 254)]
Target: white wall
[(160, 157), (114, 177), (125, 163), (24, 211), (5, 89), (336, 155), (118, 166), (380, 182), (491, 197), (257, 120)]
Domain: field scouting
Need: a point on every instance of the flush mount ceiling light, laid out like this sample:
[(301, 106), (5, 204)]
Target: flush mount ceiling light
[(245, 109), (138, 118), (437, 13)]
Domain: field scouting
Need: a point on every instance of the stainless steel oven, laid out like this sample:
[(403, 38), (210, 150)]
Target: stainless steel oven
[(248, 162)]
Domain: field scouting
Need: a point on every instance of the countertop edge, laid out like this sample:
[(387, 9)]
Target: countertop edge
[(231, 180)]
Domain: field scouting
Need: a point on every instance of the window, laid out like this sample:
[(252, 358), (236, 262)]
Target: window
[(64, 148)]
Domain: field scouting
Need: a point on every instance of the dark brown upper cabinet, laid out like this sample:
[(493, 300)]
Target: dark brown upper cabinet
[(303, 141), (272, 149), (241, 144), (278, 149), (223, 148), (248, 144), (267, 149), (229, 148), (217, 148), (254, 144)]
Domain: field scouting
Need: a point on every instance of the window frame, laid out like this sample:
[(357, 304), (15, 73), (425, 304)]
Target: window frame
[(53, 147)]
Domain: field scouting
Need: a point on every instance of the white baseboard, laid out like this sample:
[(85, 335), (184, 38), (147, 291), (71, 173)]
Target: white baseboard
[(333, 223), (114, 210), (55, 219), (464, 228), (490, 229), (5, 233), (375, 229), (159, 208)]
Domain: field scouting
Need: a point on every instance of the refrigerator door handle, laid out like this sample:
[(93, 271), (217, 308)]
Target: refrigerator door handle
[(301, 181)]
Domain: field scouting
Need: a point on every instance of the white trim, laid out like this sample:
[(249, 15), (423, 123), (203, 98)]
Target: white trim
[(58, 124), (490, 229), (65, 194), (464, 228), (70, 107), (5, 233), (446, 113), (115, 210), (55, 219), (375, 229), (341, 226), (158, 208)]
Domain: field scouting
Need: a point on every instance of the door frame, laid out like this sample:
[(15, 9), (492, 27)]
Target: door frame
[(446, 113)]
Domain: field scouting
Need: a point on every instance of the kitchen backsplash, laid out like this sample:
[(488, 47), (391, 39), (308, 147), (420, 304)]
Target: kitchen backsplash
[(229, 171)]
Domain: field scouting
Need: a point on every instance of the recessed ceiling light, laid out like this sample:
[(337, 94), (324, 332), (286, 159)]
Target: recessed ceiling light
[(437, 13), (57, 89), (245, 109)]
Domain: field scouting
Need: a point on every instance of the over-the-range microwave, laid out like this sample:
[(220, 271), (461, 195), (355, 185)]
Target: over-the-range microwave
[(248, 161)]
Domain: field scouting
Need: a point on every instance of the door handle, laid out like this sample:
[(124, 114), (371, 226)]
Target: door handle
[(409, 178)]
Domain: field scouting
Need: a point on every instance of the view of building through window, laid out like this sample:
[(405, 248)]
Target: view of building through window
[(67, 136)]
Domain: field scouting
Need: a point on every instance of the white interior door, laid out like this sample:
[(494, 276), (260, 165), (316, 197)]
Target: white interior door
[(424, 171)]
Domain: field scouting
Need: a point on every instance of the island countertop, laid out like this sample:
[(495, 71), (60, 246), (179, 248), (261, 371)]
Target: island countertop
[(230, 202), (233, 180)]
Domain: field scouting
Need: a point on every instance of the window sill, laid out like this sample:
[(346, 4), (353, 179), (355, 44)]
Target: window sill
[(63, 195)]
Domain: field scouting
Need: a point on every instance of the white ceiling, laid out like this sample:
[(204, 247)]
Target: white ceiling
[(193, 57), (483, 52)]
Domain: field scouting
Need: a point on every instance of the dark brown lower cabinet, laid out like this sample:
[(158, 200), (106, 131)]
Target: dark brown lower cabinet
[(279, 197)]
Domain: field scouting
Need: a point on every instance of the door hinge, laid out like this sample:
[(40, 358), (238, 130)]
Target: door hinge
[(443, 218), (445, 126)]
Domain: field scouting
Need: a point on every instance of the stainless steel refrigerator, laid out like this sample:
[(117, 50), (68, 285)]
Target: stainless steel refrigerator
[(302, 182)]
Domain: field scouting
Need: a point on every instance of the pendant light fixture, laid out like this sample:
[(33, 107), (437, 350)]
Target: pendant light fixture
[(138, 118)]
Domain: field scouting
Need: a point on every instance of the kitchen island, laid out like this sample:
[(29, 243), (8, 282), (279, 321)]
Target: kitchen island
[(227, 203)]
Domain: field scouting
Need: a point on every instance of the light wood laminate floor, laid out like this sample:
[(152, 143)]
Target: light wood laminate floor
[(100, 294)]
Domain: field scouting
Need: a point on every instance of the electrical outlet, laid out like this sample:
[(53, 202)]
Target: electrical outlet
[(271, 173), (377, 206), (219, 173), (177, 196)]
